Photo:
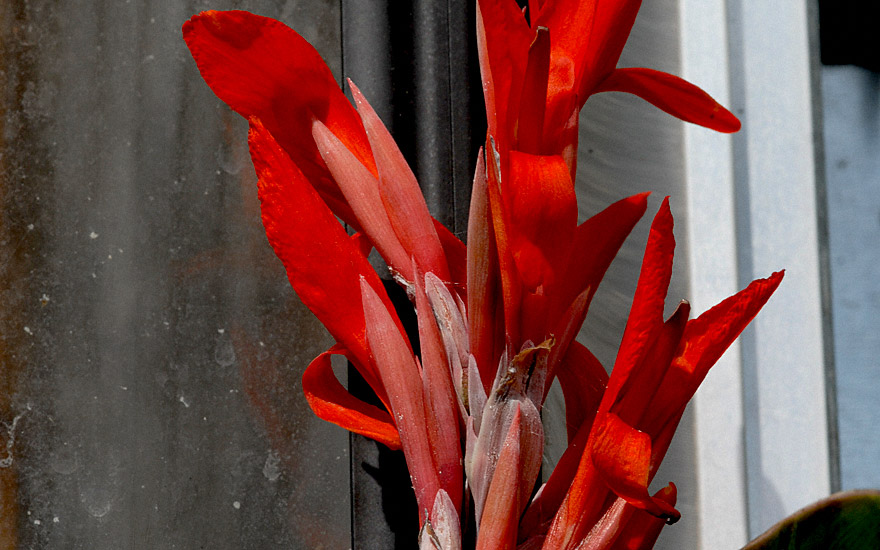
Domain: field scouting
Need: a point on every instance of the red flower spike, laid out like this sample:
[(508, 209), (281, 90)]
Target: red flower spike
[(361, 190), (622, 456), (330, 401), (400, 192), (403, 382), (673, 95), (257, 66), (323, 264)]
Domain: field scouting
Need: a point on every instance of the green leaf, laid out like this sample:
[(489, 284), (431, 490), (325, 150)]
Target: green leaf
[(844, 521)]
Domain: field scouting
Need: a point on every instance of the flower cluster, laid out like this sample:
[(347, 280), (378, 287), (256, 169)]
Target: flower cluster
[(497, 318)]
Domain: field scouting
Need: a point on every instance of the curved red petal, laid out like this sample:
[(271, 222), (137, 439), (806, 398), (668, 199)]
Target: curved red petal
[(258, 66), (330, 401), (674, 95)]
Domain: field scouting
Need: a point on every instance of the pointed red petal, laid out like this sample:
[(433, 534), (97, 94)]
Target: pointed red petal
[(511, 282), (674, 95), (622, 456), (401, 195), (442, 409), (498, 521), (643, 384), (332, 402), (257, 66), (646, 315), (482, 278)]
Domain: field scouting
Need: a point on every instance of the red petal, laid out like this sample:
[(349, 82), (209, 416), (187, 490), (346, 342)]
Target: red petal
[(511, 282), (529, 127), (456, 257), (646, 315), (622, 455), (674, 95), (642, 529), (644, 381), (332, 402), (323, 264), (258, 66), (590, 33)]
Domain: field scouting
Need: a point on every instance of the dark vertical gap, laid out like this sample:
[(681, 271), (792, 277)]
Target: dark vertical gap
[(815, 24), (416, 63)]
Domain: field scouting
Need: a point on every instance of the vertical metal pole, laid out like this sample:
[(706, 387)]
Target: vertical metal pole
[(416, 64)]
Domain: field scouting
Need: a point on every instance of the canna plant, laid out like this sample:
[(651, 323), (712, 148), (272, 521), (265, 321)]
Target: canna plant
[(497, 318)]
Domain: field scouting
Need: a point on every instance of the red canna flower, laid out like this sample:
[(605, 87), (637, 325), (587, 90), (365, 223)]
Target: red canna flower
[(497, 319)]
